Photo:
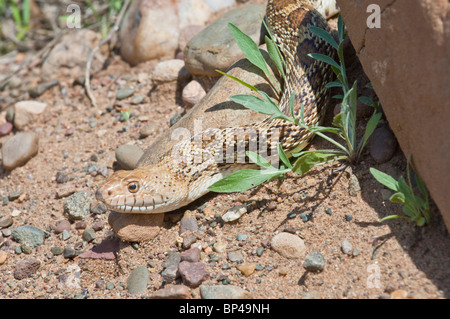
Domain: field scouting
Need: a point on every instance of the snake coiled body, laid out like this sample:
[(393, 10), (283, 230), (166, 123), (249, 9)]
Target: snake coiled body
[(186, 171)]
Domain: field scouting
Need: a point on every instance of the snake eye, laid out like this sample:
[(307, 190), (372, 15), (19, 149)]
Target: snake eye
[(133, 187)]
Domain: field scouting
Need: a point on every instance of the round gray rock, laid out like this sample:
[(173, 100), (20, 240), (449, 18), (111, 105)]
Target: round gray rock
[(77, 206), (223, 292), (383, 145), (215, 48), (128, 156), (19, 149), (138, 279), (29, 235)]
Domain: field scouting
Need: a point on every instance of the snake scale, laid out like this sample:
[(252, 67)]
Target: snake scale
[(173, 183)]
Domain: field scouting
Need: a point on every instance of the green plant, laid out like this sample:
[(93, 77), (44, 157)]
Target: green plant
[(415, 207), (21, 15), (344, 123)]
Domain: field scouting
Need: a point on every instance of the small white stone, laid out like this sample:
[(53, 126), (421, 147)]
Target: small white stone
[(234, 213)]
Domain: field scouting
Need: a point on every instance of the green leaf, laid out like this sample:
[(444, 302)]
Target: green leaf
[(371, 126), (250, 50), (274, 55), (26, 13), (292, 105), (244, 180), (284, 157), (324, 58), (324, 35), (408, 211), (366, 100), (309, 160), (263, 106), (341, 28), (385, 179), (392, 217), (333, 85), (251, 87), (398, 198), (257, 159)]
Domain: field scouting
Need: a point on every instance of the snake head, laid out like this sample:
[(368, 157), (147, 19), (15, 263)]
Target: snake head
[(146, 190)]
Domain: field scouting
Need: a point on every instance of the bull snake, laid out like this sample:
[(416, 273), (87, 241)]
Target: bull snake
[(172, 183)]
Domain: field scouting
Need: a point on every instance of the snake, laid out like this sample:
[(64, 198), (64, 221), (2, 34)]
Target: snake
[(176, 181)]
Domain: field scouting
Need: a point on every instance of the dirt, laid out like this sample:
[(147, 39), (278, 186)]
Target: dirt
[(391, 259)]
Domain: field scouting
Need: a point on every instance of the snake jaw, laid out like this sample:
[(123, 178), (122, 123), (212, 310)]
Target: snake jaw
[(146, 190)]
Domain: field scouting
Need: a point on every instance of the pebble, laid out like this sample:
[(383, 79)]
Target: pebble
[(5, 128), (66, 234), (314, 262), (3, 256), (383, 145), (174, 119), (170, 273), (223, 292), (170, 71), (98, 209), (215, 48), (28, 235), (98, 225), (220, 246), (188, 224), (259, 251), (6, 232), (173, 258), (353, 185), (6, 222), (241, 237), (128, 155), (26, 112), (137, 280), (137, 99), (235, 256), (347, 247), (247, 269), (192, 93), (173, 292), (56, 250), (88, 235), (348, 217), (19, 149), (80, 225), (193, 274), (234, 213), (329, 211), (123, 93), (61, 178), (147, 130), (399, 294), (61, 226), (304, 217), (191, 255), (188, 239), (40, 89), (69, 253), (26, 267), (77, 206), (385, 194), (288, 245)]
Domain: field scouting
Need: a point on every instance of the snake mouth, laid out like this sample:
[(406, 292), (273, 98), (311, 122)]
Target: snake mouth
[(133, 203)]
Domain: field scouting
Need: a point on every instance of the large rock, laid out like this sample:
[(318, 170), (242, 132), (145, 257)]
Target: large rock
[(151, 28), (407, 61), (69, 57), (215, 47)]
